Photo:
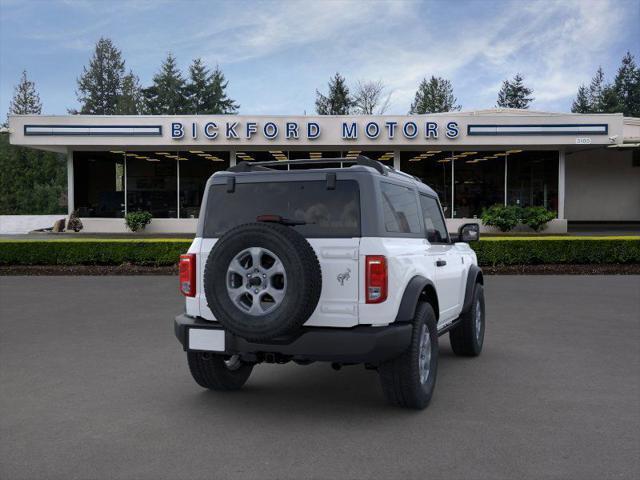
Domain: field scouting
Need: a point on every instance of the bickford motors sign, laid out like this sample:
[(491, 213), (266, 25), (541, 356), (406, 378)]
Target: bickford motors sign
[(310, 130)]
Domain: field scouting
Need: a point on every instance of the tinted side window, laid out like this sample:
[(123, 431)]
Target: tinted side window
[(400, 209), (433, 221)]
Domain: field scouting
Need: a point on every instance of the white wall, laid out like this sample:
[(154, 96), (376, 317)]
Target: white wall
[(602, 185), (13, 224)]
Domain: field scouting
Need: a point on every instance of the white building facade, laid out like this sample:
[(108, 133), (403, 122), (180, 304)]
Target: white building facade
[(584, 167)]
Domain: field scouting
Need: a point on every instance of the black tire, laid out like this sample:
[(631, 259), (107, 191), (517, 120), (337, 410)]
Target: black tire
[(303, 281), (210, 371), (466, 339), (400, 377)]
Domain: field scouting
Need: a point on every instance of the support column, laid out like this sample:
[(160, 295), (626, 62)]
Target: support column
[(506, 166), (70, 183), (561, 181), (396, 159), (177, 188), (232, 158)]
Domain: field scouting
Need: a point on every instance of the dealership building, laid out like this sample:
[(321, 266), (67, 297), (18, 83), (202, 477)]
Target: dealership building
[(586, 168)]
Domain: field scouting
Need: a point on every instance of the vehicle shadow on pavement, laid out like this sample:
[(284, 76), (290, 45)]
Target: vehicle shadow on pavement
[(279, 391)]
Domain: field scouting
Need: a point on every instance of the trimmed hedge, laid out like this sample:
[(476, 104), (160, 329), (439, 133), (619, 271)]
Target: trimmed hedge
[(92, 252), (496, 251), (492, 251)]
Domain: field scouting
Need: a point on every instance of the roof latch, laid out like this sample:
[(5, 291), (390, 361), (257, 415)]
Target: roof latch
[(231, 184), (331, 181)]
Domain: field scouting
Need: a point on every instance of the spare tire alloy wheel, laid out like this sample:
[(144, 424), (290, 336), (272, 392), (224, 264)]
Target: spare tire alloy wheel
[(262, 280), (256, 281)]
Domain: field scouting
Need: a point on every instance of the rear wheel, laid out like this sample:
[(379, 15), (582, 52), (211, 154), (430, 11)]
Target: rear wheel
[(409, 380), (468, 337), (218, 372)]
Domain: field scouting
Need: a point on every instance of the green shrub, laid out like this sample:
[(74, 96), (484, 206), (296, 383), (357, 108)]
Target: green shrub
[(536, 217), (137, 220), (503, 217), (490, 251)]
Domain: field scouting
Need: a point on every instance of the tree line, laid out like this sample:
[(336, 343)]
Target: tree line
[(33, 181), (106, 88), (435, 95)]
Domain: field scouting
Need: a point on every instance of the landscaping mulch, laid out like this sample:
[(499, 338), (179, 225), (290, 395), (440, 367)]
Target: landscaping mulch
[(128, 269), (96, 270)]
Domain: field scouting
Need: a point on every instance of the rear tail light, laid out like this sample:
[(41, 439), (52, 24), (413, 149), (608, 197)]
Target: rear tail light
[(376, 278), (188, 274)]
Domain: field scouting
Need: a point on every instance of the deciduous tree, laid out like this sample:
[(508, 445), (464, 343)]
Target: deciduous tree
[(371, 98)]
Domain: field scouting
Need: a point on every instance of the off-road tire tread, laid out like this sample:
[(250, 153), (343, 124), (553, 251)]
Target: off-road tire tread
[(400, 377), (213, 374), (462, 337)]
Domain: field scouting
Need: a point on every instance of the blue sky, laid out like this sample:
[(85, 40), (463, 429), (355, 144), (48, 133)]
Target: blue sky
[(276, 53)]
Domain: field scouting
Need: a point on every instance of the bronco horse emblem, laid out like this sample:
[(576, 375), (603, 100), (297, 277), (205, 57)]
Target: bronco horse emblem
[(342, 277)]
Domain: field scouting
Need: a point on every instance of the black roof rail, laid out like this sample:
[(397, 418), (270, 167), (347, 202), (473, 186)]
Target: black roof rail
[(262, 166)]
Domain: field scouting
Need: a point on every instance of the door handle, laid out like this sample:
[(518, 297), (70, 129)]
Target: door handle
[(441, 263)]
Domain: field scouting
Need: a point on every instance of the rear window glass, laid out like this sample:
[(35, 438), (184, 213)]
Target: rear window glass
[(327, 213), (400, 209)]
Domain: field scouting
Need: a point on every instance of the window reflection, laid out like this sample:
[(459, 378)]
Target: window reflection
[(99, 184)]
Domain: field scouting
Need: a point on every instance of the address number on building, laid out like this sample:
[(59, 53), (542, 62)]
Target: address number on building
[(583, 141)]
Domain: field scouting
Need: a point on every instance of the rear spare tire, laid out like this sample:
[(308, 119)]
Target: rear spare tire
[(262, 280)]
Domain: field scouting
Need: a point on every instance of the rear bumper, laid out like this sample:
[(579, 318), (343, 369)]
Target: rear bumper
[(361, 344)]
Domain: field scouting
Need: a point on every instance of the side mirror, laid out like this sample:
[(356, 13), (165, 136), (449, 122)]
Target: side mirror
[(469, 232)]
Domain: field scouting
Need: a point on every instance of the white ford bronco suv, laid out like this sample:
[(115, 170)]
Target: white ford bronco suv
[(344, 265)]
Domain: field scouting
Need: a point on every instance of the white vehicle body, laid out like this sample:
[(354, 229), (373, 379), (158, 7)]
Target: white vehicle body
[(342, 303), (344, 265)]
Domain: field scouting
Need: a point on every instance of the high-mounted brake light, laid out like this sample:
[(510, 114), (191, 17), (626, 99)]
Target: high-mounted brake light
[(376, 278), (188, 274)]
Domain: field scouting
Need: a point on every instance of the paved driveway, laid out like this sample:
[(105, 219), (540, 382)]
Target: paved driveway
[(94, 385)]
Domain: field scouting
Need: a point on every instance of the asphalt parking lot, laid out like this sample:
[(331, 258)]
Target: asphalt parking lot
[(93, 384)]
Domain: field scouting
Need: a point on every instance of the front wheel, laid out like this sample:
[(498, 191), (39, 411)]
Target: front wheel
[(409, 380), (468, 337), (218, 372)]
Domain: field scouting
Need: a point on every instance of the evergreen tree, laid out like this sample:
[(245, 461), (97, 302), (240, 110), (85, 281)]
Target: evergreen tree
[(99, 86), (514, 94), (196, 89), (167, 95), (581, 104), (596, 91), (206, 92), (31, 181), (25, 99), (433, 96), (627, 86), (130, 101), (219, 102), (338, 101)]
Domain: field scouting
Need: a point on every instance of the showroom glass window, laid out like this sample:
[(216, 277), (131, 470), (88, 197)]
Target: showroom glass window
[(152, 184), (195, 168), (99, 184), (478, 182), (532, 179)]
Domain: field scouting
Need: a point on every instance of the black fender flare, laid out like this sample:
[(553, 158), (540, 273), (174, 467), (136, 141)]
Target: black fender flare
[(411, 297), (474, 276)]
